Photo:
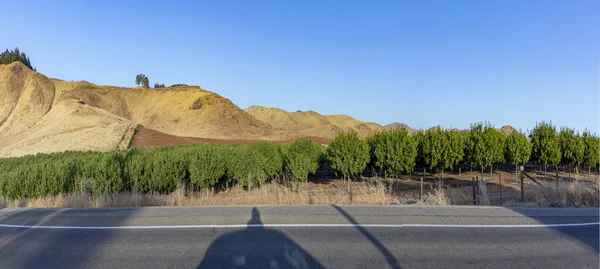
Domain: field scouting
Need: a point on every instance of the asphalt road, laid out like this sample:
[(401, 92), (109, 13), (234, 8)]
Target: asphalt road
[(299, 237)]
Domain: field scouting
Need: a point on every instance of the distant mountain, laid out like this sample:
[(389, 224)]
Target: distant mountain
[(507, 129), (311, 123), (397, 125), (41, 114)]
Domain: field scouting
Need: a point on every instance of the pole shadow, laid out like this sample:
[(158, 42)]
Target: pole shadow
[(256, 247), (389, 257)]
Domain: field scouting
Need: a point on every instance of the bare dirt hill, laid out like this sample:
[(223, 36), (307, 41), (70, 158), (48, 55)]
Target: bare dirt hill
[(32, 122), (311, 123), (398, 125), (38, 114), (146, 138), (507, 129), (181, 111)]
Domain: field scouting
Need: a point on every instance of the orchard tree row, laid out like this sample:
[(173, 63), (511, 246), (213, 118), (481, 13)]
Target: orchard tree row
[(392, 153), (196, 167), (158, 170)]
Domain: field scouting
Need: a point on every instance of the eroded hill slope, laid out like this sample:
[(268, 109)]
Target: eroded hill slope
[(311, 123)]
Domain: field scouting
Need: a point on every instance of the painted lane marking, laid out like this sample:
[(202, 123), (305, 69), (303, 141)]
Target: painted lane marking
[(210, 226)]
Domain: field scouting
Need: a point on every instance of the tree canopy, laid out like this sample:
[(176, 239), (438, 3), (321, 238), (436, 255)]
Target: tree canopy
[(545, 144), (394, 152), (442, 149), (10, 56), (591, 155), (141, 79), (485, 145), (572, 147), (348, 154), (517, 148)]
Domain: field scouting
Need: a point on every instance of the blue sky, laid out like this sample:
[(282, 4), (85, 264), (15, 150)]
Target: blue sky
[(423, 63)]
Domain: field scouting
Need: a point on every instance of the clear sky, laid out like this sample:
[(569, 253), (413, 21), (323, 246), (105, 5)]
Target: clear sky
[(423, 63)]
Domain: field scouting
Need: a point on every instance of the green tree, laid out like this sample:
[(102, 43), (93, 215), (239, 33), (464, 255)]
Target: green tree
[(455, 152), (394, 152), (545, 145), (207, 165), (484, 145), (141, 79), (348, 155), (494, 147), (419, 138), (271, 157), (156, 85), (517, 149), (572, 147), (433, 147), (15, 55), (475, 150), (442, 149), (303, 158), (591, 155)]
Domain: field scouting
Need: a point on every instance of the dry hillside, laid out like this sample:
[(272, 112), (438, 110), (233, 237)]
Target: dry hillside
[(397, 125), (32, 121), (507, 129), (181, 111), (38, 114), (311, 123)]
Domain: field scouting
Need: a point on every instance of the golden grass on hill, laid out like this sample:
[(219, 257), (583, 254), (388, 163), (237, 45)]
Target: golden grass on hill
[(39, 114), (311, 123)]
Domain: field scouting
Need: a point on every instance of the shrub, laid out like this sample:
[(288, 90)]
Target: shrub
[(347, 154), (302, 158), (169, 169), (138, 171), (272, 157), (545, 144), (394, 152), (207, 165), (245, 166), (517, 149)]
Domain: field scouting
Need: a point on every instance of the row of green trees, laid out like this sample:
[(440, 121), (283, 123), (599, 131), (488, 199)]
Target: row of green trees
[(10, 56), (196, 167), (396, 152), (159, 170)]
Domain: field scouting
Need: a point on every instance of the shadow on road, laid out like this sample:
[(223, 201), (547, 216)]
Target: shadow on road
[(588, 235), (256, 247), (53, 248), (389, 257)]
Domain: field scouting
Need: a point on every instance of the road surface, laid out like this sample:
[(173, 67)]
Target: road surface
[(300, 237)]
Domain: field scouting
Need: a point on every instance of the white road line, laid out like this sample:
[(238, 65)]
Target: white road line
[(301, 226)]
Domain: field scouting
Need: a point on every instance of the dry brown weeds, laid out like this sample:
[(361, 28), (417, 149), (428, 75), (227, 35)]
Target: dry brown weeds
[(563, 193)]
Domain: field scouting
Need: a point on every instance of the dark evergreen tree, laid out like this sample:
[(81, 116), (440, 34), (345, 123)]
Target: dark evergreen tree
[(10, 56)]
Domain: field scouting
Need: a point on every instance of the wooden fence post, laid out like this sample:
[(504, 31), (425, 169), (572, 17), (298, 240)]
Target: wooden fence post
[(500, 180), (474, 194), (421, 197)]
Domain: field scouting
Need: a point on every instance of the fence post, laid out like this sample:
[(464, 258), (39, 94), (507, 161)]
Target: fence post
[(477, 188), (522, 189), (421, 197), (500, 179), (474, 194)]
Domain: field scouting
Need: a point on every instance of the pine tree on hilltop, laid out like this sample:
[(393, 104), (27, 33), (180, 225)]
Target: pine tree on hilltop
[(10, 56), (143, 80)]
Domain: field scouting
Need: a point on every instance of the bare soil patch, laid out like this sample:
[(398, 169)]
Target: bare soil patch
[(147, 137)]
